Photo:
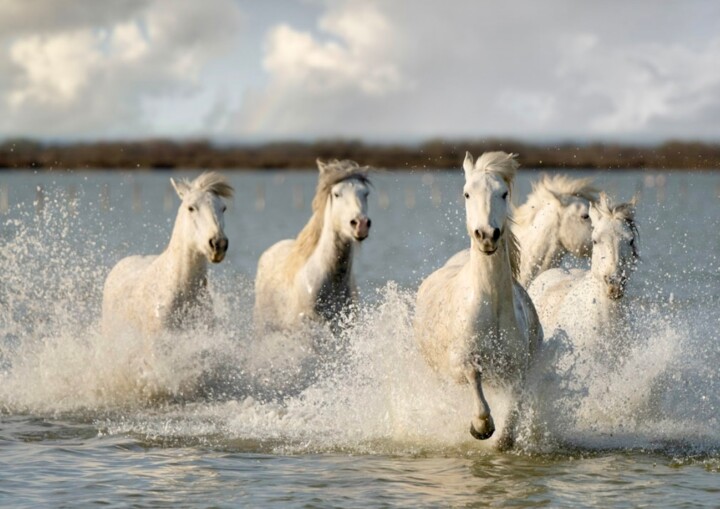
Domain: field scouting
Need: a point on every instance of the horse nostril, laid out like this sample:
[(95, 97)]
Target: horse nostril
[(369, 223), (478, 234), (496, 234), (353, 223), (213, 244)]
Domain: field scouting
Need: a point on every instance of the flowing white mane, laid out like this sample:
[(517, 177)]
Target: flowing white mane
[(499, 163), (555, 187), (212, 182)]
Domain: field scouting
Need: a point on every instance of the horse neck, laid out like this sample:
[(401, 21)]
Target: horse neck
[(333, 254), (609, 311), (184, 265), (541, 246), (492, 276)]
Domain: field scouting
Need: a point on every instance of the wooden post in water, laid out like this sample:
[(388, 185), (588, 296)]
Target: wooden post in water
[(105, 197), (660, 188), (383, 199), (72, 199), (260, 196), (298, 197), (409, 198), (39, 200), (168, 198), (136, 197), (4, 200)]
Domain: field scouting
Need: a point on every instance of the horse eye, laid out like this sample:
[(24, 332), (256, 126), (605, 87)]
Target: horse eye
[(224, 208), (191, 208), (632, 242), (594, 242), (585, 217), (504, 196), (337, 195), (467, 195)]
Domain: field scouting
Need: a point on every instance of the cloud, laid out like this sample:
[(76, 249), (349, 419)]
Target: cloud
[(85, 70), (539, 70), (379, 70)]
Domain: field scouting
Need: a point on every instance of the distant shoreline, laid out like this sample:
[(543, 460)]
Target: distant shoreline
[(429, 155)]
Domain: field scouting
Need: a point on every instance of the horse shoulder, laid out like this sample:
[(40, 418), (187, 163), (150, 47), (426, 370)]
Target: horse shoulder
[(439, 330), (271, 286), (460, 258), (124, 295), (528, 317), (550, 292)]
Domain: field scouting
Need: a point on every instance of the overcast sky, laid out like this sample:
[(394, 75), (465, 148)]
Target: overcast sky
[(400, 70)]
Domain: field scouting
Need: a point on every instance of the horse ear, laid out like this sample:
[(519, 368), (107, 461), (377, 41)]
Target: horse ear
[(181, 188), (468, 164), (323, 167), (634, 200), (594, 213)]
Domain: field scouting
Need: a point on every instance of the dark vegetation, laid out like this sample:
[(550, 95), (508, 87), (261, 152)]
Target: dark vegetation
[(159, 154)]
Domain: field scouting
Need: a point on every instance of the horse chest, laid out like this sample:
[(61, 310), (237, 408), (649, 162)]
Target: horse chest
[(495, 336)]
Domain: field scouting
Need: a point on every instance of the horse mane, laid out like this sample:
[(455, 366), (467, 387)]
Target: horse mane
[(331, 173), (622, 212), (554, 187), (498, 163), (513, 249), (212, 182), (505, 166)]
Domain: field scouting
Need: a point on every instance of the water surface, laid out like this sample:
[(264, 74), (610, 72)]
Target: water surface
[(241, 420)]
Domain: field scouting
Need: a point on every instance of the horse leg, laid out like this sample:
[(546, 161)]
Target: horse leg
[(507, 438), (481, 426)]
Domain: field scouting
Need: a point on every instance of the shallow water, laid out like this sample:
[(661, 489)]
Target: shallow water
[(223, 418)]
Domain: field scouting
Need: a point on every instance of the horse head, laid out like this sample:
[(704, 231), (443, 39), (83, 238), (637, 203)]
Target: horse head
[(488, 184), (201, 214), (347, 188), (615, 244), (570, 201)]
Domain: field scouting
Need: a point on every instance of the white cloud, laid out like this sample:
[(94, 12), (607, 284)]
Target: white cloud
[(98, 75), (382, 70), (355, 55), (543, 70), (55, 68)]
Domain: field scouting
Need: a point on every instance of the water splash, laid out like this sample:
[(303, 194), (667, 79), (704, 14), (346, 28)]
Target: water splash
[(366, 389)]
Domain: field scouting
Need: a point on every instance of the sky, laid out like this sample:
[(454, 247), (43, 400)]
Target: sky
[(382, 71)]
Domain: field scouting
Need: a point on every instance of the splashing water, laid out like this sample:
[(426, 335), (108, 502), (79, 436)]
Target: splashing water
[(364, 389)]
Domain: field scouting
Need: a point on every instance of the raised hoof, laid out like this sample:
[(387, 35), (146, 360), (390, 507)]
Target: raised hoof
[(485, 431)]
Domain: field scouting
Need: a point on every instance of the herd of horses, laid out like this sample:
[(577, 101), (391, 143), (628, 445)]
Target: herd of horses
[(479, 319)]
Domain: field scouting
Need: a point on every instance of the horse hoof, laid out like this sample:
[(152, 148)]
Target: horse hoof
[(484, 430)]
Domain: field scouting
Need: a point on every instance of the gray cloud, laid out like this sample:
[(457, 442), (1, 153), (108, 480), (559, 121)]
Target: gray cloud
[(397, 70), (87, 70), (520, 68)]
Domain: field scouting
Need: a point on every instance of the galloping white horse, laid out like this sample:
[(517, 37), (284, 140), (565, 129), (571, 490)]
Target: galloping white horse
[(588, 303), (310, 277), (157, 293), (472, 317), (552, 222)]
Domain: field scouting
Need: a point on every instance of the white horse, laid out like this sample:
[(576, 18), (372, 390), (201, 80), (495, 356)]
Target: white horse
[(310, 277), (472, 317), (588, 304), (158, 293), (552, 222)]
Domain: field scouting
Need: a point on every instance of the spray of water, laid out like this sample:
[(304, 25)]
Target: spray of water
[(365, 388)]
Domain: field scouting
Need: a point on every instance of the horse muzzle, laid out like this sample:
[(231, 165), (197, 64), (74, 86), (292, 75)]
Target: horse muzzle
[(615, 286), (361, 227), (218, 248), (487, 239)]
